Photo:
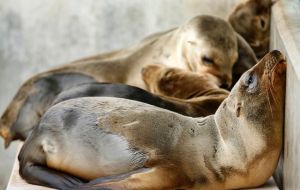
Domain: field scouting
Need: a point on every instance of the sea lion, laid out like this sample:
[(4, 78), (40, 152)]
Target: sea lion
[(178, 83), (204, 44), (251, 19), (203, 103), (130, 145)]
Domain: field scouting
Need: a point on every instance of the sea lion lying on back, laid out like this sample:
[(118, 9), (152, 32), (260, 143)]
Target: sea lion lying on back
[(251, 19), (130, 145), (204, 44)]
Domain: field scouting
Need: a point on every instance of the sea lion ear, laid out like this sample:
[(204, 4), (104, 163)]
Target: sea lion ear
[(238, 109), (246, 58)]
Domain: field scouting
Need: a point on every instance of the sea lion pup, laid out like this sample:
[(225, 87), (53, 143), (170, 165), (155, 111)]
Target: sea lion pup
[(251, 19), (178, 83), (130, 145), (204, 44)]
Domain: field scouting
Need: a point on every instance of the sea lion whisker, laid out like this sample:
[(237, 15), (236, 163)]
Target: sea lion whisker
[(272, 85), (268, 98), (270, 88), (274, 96)]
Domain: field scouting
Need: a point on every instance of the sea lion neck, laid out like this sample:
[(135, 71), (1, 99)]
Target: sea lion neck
[(237, 132)]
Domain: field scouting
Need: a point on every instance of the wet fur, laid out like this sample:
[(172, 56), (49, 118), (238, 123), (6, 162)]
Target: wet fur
[(159, 149)]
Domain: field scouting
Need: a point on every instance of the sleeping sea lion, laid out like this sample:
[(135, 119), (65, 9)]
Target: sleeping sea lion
[(251, 19), (120, 144), (201, 102), (204, 44), (178, 83)]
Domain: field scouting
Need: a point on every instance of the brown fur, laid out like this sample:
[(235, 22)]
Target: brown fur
[(251, 19), (178, 83)]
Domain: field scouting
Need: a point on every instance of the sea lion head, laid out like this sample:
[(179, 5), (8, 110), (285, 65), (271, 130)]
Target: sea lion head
[(251, 118), (251, 19), (209, 45), (257, 99)]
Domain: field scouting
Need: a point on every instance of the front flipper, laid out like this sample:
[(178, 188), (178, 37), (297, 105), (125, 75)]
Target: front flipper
[(44, 176), (156, 178)]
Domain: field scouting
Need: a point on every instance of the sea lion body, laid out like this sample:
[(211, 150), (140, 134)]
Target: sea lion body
[(124, 91), (131, 145), (204, 44)]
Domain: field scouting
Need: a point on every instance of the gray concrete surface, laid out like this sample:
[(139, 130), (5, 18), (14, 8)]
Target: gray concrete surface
[(36, 35)]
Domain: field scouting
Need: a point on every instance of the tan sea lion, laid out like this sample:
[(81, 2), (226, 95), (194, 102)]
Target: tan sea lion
[(251, 19), (204, 44), (129, 145), (178, 83)]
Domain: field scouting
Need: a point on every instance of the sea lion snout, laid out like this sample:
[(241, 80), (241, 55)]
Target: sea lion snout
[(277, 55), (226, 82), (272, 61)]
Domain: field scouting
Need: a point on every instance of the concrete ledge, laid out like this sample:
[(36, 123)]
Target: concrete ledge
[(285, 36)]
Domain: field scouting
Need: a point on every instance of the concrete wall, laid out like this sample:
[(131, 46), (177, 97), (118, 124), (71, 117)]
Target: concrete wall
[(285, 36), (36, 35)]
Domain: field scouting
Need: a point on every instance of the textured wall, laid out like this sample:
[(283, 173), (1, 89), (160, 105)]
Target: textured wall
[(285, 36), (38, 34)]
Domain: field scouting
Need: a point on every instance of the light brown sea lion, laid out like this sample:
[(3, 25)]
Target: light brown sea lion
[(251, 19), (204, 44), (129, 145), (178, 83)]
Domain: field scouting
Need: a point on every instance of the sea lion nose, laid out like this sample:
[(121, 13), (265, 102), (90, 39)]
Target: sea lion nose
[(224, 85), (277, 54), (226, 82)]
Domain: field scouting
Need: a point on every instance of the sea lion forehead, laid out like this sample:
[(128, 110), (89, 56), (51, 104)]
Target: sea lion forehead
[(215, 30)]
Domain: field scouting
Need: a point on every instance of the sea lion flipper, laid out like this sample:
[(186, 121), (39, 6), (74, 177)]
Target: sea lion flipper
[(142, 179), (41, 175)]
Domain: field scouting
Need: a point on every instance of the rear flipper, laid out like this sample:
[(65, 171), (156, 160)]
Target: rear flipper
[(155, 178), (44, 176), (32, 100)]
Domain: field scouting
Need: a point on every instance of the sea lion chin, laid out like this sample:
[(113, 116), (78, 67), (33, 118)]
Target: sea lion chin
[(130, 145)]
